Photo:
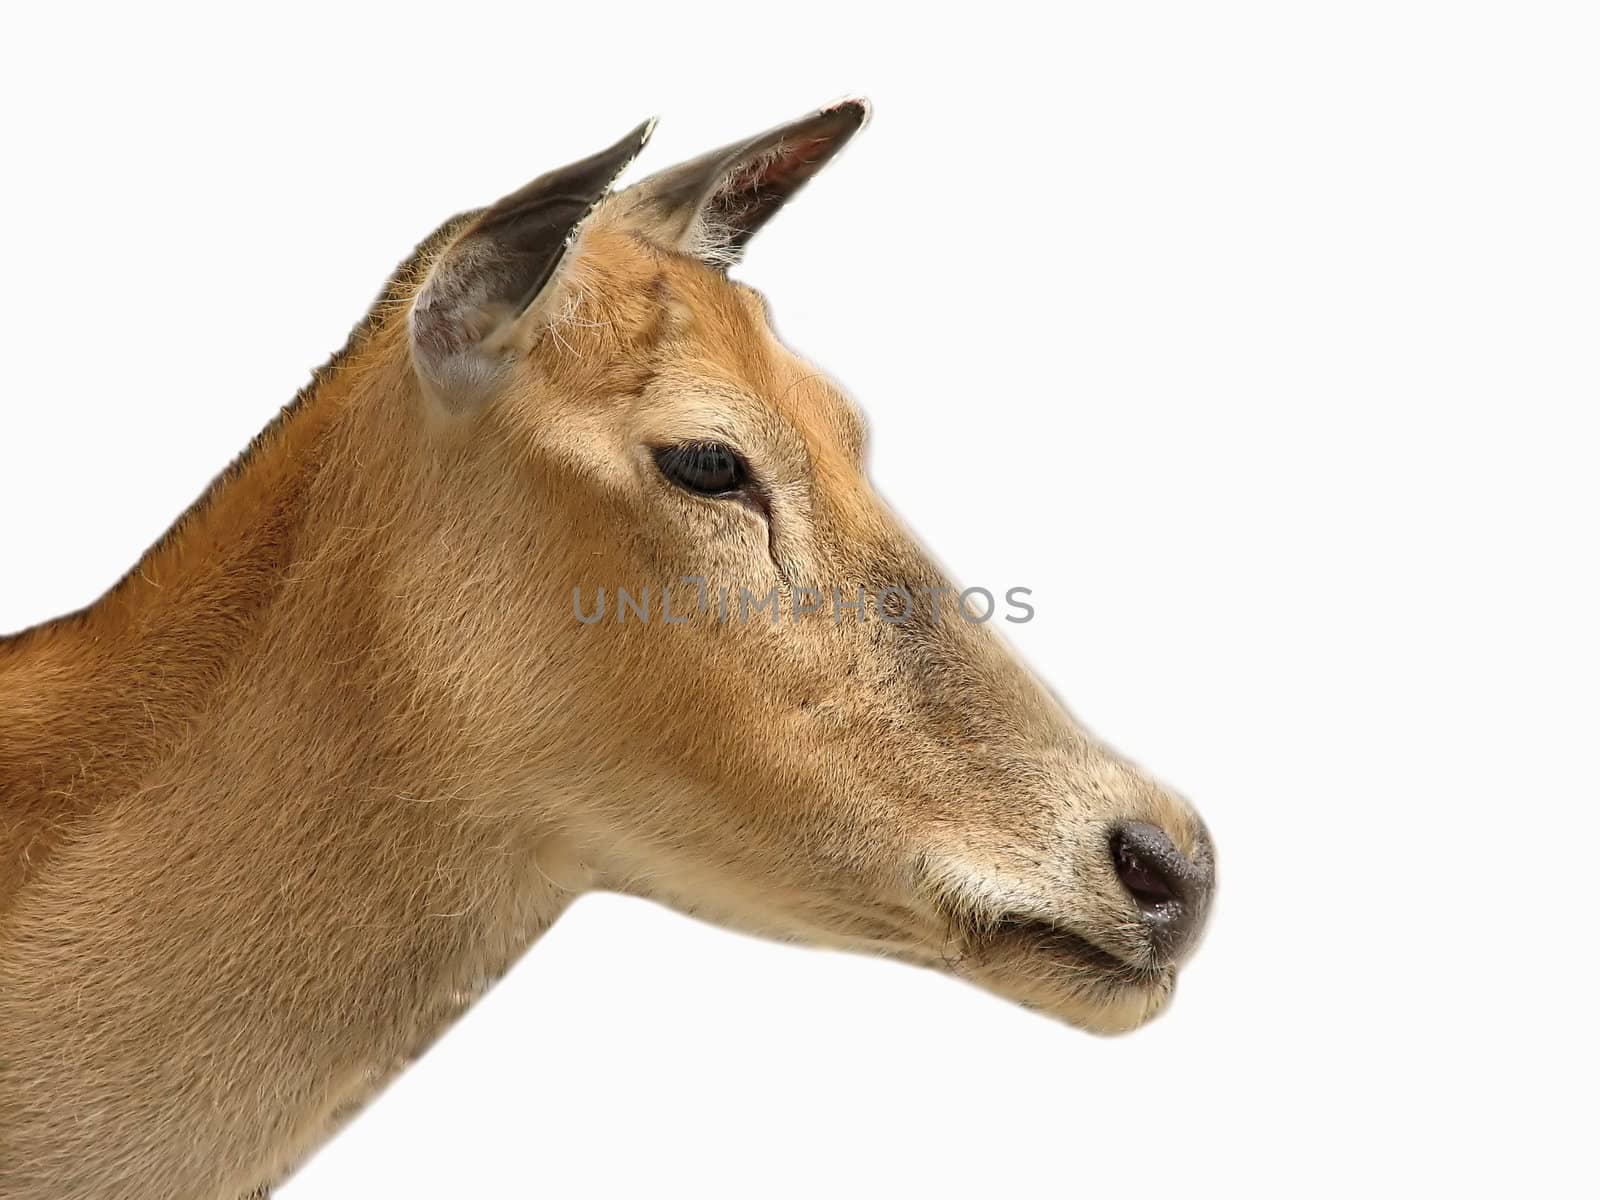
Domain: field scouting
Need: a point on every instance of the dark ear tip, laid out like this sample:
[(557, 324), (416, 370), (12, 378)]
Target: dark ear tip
[(640, 137), (611, 162), (856, 110)]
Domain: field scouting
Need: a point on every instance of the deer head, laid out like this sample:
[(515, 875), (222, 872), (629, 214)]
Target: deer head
[(704, 656)]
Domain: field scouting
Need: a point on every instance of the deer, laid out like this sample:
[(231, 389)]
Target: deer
[(284, 801)]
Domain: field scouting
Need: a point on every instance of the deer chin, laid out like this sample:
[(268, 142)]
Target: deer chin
[(1057, 971)]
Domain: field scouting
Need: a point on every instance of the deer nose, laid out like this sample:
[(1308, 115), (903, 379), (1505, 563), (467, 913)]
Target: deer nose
[(1171, 890)]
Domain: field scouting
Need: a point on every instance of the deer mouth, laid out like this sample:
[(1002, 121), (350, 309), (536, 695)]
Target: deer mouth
[(1058, 970), (1058, 941), (1052, 941)]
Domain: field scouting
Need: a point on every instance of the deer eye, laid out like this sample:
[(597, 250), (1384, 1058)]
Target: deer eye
[(707, 468)]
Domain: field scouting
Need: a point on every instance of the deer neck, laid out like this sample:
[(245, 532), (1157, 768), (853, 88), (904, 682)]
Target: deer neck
[(251, 680)]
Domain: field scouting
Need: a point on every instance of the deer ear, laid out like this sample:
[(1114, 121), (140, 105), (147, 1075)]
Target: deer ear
[(713, 205), (490, 288)]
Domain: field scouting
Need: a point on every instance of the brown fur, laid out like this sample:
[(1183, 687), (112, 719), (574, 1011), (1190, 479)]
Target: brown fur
[(316, 771)]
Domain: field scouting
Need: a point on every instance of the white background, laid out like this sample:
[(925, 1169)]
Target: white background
[(1260, 340)]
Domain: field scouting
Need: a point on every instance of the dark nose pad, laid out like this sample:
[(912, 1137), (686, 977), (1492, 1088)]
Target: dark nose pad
[(1171, 890)]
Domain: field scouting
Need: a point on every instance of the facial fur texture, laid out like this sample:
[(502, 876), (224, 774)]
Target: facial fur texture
[(287, 798)]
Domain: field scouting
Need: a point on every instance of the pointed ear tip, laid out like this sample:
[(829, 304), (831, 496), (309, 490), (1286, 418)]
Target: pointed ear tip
[(857, 108), (634, 141), (631, 145)]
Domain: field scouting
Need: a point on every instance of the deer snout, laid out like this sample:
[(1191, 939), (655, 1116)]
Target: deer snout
[(1171, 890)]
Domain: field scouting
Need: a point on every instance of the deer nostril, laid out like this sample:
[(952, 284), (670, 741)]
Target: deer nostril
[(1142, 877), (1171, 890)]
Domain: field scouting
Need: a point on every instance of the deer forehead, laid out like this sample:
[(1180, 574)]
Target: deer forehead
[(687, 353)]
